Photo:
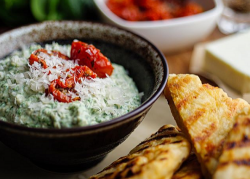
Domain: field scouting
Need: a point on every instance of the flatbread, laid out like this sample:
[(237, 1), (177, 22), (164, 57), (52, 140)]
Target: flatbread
[(234, 163), (157, 157), (190, 169), (204, 113)]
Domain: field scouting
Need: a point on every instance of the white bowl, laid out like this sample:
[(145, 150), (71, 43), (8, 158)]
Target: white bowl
[(174, 34)]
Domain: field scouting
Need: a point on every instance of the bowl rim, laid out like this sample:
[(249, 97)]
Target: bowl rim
[(144, 106), (100, 4)]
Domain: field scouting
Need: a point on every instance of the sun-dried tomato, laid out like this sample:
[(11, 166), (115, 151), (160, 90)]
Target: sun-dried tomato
[(37, 56), (92, 57), (60, 89)]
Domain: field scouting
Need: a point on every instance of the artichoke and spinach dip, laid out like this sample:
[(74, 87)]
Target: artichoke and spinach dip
[(61, 86)]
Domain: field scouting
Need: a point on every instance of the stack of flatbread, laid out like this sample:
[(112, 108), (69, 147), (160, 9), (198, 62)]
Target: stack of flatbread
[(212, 139), (215, 124)]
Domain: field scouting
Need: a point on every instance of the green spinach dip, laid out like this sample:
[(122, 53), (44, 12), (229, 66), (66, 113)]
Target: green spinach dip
[(23, 99)]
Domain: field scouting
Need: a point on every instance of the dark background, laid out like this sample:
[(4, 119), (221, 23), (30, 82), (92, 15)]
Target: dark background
[(15, 13)]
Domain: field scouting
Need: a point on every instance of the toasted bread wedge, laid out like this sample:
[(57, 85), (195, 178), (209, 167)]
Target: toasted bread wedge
[(158, 157), (190, 169), (204, 113), (234, 162)]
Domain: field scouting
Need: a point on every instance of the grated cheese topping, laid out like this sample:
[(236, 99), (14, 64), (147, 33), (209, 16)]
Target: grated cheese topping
[(23, 100)]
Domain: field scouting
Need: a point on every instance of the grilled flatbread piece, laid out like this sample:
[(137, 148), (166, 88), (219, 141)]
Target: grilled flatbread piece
[(204, 113), (190, 169), (158, 157), (234, 163)]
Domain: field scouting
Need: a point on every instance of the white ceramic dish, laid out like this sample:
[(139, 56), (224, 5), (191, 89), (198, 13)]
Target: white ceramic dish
[(174, 34)]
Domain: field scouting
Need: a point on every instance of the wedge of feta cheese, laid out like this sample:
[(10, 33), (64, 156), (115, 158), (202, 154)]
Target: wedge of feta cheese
[(229, 59)]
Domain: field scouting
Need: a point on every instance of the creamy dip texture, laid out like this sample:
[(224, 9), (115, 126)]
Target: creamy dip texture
[(23, 99)]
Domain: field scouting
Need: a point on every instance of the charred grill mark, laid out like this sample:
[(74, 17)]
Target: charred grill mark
[(159, 137), (175, 86), (245, 138), (118, 162), (206, 133), (132, 163), (239, 162), (182, 103), (245, 142), (242, 162), (131, 173), (241, 122), (163, 143), (164, 129), (192, 119), (144, 148), (214, 150), (188, 99), (236, 124), (165, 158), (130, 169), (230, 145), (177, 142)]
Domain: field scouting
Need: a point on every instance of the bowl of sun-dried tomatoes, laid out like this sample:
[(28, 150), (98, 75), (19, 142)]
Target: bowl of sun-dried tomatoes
[(172, 25)]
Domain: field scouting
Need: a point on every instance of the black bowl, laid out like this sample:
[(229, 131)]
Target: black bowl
[(75, 149)]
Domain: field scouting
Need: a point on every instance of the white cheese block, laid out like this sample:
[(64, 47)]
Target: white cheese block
[(229, 59)]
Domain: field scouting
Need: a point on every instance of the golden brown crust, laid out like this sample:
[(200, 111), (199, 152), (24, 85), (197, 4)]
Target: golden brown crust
[(159, 156), (234, 162), (204, 113)]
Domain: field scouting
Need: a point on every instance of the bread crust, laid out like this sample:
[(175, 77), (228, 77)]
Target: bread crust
[(204, 113), (234, 162), (159, 156)]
